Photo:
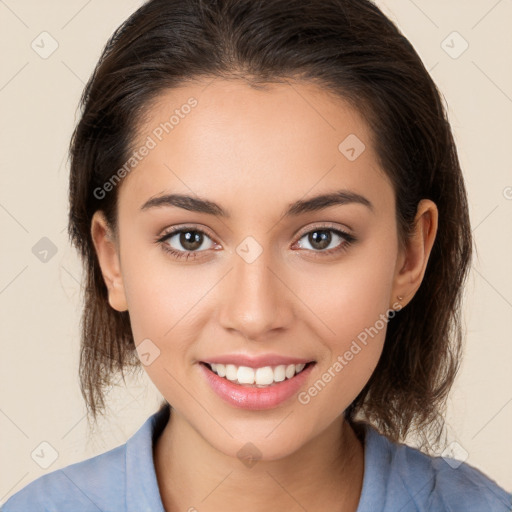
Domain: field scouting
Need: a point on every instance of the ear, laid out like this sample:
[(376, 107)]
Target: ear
[(108, 257), (412, 261)]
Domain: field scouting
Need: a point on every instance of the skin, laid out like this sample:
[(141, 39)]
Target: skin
[(254, 152)]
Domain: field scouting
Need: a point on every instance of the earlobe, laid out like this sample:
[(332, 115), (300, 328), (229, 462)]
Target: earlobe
[(412, 263), (108, 257)]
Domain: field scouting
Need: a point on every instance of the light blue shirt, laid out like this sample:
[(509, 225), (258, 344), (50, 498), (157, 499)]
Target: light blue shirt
[(397, 478)]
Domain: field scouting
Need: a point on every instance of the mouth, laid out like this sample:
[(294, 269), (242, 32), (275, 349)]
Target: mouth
[(262, 377)]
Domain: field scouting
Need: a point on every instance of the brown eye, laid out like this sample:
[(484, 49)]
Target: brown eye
[(190, 240), (320, 240), (185, 242)]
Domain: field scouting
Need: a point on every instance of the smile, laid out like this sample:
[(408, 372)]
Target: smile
[(256, 377), (256, 388)]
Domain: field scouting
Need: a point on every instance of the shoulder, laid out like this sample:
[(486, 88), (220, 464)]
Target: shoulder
[(119, 479), (420, 482), (94, 484), (437, 483)]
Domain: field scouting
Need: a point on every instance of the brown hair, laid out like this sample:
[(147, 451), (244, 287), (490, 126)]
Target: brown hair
[(348, 47)]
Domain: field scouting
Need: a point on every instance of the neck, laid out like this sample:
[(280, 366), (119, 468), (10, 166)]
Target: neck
[(326, 472)]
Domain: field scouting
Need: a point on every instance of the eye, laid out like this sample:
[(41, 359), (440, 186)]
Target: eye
[(326, 240), (184, 242)]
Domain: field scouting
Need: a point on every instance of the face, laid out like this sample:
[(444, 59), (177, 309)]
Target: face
[(266, 279)]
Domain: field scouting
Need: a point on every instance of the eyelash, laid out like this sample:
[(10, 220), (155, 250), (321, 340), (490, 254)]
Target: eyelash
[(349, 240)]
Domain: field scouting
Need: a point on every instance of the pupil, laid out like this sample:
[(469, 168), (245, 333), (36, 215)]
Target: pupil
[(322, 241), (191, 240)]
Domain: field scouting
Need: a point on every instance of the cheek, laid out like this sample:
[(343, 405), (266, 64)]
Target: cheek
[(352, 303), (353, 352), (166, 300), (353, 295), (152, 290)]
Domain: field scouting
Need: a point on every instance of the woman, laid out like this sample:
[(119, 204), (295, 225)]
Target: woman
[(273, 221)]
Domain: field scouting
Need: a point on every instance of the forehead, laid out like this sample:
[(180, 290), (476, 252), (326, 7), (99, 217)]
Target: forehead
[(222, 139)]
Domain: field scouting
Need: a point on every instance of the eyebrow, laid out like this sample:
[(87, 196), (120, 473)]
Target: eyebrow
[(316, 203)]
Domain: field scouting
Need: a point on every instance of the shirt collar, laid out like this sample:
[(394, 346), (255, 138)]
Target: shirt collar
[(143, 494), (376, 465)]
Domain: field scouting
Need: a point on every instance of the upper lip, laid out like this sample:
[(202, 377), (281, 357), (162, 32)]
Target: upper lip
[(256, 361)]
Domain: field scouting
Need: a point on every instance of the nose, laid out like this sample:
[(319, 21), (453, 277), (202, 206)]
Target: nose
[(257, 300)]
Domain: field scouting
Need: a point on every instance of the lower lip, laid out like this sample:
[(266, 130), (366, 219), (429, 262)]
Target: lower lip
[(253, 398)]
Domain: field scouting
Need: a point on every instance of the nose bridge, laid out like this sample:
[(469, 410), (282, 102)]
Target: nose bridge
[(256, 299)]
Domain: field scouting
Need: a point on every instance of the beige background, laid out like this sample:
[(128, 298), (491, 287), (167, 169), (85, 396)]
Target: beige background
[(40, 301)]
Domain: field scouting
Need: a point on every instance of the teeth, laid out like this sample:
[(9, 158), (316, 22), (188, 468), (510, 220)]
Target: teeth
[(231, 372), (261, 377), (290, 371), (245, 375)]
